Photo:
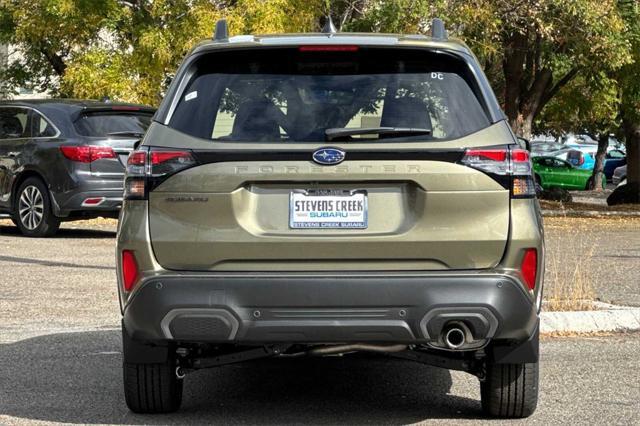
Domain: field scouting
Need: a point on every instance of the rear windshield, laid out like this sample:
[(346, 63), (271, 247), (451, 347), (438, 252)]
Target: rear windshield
[(295, 95), (104, 124)]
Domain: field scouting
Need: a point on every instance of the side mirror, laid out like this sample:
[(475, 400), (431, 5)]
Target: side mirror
[(524, 143)]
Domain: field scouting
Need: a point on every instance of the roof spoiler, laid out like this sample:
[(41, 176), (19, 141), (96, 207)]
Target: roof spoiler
[(438, 32), (117, 108), (221, 32)]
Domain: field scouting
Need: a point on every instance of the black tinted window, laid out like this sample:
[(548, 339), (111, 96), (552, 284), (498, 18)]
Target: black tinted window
[(41, 127), (112, 124), (291, 95), (13, 123)]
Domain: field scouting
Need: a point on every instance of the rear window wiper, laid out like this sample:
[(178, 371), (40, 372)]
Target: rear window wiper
[(131, 133), (344, 132)]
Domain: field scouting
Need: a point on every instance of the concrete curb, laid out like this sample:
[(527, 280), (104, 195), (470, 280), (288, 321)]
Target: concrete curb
[(616, 318), (588, 213)]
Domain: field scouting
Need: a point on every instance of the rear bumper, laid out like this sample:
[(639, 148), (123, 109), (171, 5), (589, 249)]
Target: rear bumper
[(108, 193), (302, 308)]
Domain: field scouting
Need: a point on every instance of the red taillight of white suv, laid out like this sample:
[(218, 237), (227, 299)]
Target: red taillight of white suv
[(509, 166), (147, 169)]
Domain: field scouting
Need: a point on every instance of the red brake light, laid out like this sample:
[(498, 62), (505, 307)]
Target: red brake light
[(129, 270), (504, 162), (87, 153), (328, 48), (529, 267), (137, 158), (147, 169), (125, 108), (487, 154), (159, 157), (519, 155)]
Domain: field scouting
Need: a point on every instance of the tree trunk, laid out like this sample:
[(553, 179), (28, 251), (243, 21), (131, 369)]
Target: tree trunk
[(629, 193), (56, 61), (522, 125), (632, 136), (598, 169)]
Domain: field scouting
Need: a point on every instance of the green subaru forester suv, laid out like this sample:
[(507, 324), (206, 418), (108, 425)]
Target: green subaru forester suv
[(328, 194)]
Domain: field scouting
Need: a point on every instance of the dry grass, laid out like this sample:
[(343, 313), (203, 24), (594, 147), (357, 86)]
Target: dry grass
[(572, 273), (578, 207)]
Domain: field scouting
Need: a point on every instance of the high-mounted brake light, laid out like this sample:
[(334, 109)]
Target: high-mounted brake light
[(129, 270), (147, 169), (87, 153), (328, 48), (529, 267), (125, 108), (505, 163)]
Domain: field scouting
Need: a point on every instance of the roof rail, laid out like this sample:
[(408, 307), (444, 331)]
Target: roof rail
[(328, 27), (221, 32), (438, 31)]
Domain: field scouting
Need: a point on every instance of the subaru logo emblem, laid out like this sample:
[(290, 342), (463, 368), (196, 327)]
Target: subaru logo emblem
[(328, 156)]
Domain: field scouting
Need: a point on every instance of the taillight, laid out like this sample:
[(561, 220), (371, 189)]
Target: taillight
[(493, 161), (129, 270), (529, 267), (147, 169), (168, 162), (87, 153), (511, 167)]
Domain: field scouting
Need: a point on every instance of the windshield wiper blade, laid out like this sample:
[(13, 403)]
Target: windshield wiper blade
[(131, 133), (343, 132)]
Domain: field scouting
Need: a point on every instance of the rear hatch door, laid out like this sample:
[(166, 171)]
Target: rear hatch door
[(263, 196), (115, 129)]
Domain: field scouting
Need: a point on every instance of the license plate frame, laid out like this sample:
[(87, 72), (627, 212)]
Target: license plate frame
[(334, 217)]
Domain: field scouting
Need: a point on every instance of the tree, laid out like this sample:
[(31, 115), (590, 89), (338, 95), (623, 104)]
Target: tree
[(590, 105), (630, 106), (47, 33), (127, 49), (542, 46), (529, 49)]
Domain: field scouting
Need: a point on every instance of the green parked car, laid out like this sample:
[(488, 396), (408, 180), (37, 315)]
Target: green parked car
[(551, 172)]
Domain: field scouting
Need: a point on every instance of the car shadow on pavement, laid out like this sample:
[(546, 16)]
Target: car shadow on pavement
[(78, 233), (76, 378)]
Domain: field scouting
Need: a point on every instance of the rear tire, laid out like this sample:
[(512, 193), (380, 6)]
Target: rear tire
[(510, 390), (32, 209), (152, 388)]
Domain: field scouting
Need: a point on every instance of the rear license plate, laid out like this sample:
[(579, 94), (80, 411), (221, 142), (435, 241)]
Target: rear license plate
[(328, 209)]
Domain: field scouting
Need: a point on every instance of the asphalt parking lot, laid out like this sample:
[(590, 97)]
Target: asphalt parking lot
[(60, 354), (76, 378)]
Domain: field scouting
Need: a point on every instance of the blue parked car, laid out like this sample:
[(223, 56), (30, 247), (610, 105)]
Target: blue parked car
[(614, 159), (576, 158)]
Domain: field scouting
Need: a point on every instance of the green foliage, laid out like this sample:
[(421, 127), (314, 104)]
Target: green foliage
[(588, 105), (48, 32), (128, 49)]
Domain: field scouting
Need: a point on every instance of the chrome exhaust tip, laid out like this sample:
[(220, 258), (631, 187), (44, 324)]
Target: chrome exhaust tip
[(454, 337)]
